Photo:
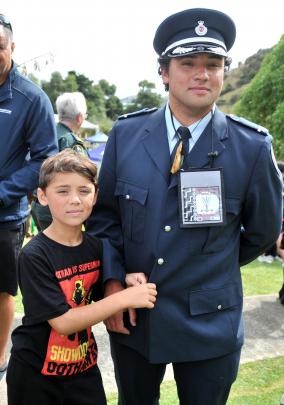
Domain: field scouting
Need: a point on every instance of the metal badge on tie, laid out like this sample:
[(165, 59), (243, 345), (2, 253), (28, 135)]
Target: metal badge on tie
[(182, 149), (178, 159)]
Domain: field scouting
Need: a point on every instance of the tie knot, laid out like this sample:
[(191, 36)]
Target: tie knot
[(184, 133)]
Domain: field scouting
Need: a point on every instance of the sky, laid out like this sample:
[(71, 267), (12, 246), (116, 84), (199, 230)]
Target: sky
[(112, 39)]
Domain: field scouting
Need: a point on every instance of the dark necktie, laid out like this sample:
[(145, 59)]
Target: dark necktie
[(181, 150)]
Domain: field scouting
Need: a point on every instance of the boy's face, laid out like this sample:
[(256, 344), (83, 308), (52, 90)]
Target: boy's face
[(70, 198)]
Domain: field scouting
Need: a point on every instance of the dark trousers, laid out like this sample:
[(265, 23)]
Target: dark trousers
[(27, 386), (206, 382), (10, 244)]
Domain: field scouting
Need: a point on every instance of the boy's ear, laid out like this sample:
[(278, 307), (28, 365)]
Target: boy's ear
[(41, 196)]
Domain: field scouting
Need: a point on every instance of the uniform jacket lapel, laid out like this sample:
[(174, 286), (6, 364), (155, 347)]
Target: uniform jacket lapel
[(156, 142)]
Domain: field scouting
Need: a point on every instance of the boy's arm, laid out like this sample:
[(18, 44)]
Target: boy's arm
[(77, 319)]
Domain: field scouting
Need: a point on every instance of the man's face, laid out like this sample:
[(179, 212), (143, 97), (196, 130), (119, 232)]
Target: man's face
[(195, 82), (6, 50)]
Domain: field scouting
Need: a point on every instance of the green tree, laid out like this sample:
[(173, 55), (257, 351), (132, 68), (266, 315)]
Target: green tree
[(85, 85), (147, 97), (113, 105), (54, 87), (70, 83), (262, 101), (108, 89)]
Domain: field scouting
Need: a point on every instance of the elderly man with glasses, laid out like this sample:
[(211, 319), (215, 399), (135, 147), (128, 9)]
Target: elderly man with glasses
[(28, 136)]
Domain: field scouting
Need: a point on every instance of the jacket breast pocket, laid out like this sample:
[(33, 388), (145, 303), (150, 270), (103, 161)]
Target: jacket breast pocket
[(219, 236), (132, 202)]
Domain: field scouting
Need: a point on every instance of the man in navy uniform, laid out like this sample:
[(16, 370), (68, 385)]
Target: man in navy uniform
[(187, 195)]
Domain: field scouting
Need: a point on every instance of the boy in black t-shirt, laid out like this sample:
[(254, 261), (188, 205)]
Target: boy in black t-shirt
[(54, 354)]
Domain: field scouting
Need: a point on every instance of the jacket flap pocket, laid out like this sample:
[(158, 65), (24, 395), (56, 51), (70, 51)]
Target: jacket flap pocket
[(206, 301), (131, 192)]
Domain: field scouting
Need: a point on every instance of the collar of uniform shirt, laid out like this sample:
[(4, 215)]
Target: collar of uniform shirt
[(196, 128)]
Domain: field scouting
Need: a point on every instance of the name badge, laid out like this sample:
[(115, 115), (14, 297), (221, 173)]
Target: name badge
[(201, 198)]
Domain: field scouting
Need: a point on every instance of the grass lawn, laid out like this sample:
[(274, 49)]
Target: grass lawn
[(258, 383), (262, 278)]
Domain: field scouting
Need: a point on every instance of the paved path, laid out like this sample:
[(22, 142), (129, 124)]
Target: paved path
[(264, 331)]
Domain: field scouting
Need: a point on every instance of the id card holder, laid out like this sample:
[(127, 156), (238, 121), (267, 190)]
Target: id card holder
[(201, 198)]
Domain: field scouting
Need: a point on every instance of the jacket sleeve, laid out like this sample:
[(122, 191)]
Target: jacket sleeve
[(40, 141), (262, 211), (105, 220)]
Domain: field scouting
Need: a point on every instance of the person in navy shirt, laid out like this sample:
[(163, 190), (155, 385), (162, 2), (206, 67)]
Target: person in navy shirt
[(28, 136)]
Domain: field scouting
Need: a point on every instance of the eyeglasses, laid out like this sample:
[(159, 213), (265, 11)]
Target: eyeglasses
[(5, 22)]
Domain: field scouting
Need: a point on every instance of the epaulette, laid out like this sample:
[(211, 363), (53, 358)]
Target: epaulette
[(250, 124), (137, 113)]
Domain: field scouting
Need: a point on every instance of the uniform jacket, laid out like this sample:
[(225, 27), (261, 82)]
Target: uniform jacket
[(198, 314), (28, 136), (67, 139)]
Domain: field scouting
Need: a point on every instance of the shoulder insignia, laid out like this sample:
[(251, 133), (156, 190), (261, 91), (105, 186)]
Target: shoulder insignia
[(137, 113), (250, 124)]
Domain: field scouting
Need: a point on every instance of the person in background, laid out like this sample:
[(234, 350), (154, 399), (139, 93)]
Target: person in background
[(187, 196), (72, 110), (276, 251), (27, 128), (54, 354), (280, 241)]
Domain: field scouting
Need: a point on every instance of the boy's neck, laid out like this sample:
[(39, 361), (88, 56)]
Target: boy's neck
[(69, 236)]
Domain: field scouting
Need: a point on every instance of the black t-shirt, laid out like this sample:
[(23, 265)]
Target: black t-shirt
[(54, 278)]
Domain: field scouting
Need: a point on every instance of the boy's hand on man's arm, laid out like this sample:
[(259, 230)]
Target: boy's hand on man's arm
[(141, 296)]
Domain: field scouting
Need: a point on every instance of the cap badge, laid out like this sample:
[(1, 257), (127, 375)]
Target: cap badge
[(201, 29)]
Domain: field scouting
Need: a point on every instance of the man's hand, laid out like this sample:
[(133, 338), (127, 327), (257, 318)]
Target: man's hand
[(133, 279), (115, 322)]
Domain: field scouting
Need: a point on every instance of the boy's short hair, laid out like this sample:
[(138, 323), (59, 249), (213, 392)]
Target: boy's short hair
[(67, 161)]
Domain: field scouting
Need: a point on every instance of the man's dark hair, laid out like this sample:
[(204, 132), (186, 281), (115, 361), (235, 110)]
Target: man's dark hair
[(164, 63)]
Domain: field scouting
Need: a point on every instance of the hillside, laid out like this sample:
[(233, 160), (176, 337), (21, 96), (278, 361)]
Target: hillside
[(238, 78)]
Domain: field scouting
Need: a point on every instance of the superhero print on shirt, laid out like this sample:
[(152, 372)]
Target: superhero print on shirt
[(73, 354)]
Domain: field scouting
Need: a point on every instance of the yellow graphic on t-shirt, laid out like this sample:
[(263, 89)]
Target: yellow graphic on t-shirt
[(61, 353), (79, 292)]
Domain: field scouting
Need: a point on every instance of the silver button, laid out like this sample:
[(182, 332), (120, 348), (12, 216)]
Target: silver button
[(127, 196), (168, 228), (219, 306), (160, 261)]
